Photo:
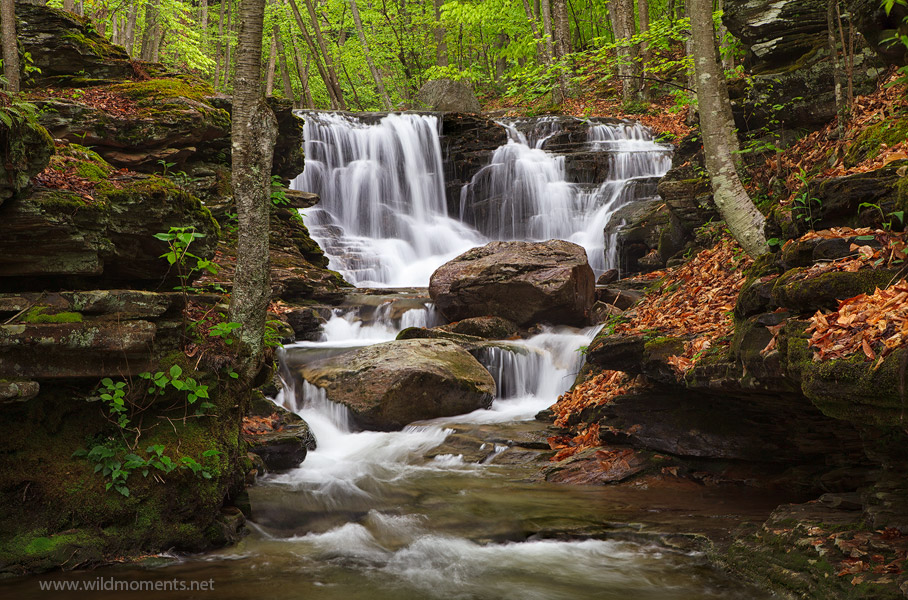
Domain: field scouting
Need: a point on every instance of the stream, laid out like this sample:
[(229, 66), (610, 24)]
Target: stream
[(454, 508)]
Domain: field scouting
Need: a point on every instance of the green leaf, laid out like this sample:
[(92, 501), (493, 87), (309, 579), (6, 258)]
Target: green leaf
[(175, 371)]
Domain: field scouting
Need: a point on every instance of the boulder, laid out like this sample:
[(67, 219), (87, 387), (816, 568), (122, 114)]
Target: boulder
[(490, 328), (389, 385), (67, 48), (447, 95), (524, 282)]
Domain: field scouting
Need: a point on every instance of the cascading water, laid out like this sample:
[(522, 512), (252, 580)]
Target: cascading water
[(382, 218)]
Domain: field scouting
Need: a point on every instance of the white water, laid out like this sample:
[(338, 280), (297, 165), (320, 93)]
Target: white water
[(383, 221)]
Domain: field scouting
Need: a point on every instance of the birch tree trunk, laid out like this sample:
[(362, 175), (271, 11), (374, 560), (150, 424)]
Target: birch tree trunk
[(269, 70), (313, 48), (623, 23), (643, 15), (10, 46), (836, 65), (376, 74), (441, 44), (253, 134), (719, 140), (329, 62)]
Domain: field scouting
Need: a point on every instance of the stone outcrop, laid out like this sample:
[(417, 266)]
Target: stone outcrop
[(390, 385), (447, 95), (788, 56), (467, 143), (523, 282), (26, 148), (67, 49)]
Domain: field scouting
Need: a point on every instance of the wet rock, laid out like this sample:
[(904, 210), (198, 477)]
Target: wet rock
[(617, 352), (587, 468), (621, 298), (389, 385), (804, 294), (306, 323), (490, 328), (602, 312), (523, 282), (285, 447), (467, 143), (447, 95), (608, 277)]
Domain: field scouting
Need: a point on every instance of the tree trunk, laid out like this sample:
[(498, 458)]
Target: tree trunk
[(253, 134), (10, 47), (643, 13), (623, 22), (376, 74), (203, 20), (148, 34), (269, 72), (541, 56), (306, 95), (329, 62), (69, 5), (228, 49), (546, 7), (561, 29), (313, 48), (441, 44), (282, 60), (218, 47), (720, 144), (129, 31), (836, 65)]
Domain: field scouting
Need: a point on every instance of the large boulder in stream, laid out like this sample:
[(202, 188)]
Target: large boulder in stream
[(524, 282), (387, 386), (447, 95)]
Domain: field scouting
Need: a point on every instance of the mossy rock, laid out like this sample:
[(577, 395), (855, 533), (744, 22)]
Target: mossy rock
[(806, 295), (868, 144), (853, 390), (26, 148)]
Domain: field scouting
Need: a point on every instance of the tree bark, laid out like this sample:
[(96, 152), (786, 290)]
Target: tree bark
[(69, 5), (643, 14), (269, 71), (148, 34), (561, 28), (720, 143), (541, 56), (253, 134), (623, 23), (227, 51), (546, 8), (441, 44), (218, 47), (306, 96), (282, 61), (10, 46), (203, 19), (129, 32), (376, 74), (836, 65)]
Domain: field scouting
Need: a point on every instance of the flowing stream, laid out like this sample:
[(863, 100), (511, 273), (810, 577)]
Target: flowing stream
[(453, 508)]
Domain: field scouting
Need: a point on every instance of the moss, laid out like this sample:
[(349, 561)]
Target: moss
[(153, 91), (95, 44), (868, 144), (806, 295), (38, 314), (661, 348)]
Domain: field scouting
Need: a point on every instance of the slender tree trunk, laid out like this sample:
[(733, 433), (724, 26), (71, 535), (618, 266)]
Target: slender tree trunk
[(282, 61), (148, 34), (441, 44), (253, 134), (848, 51), (306, 96), (836, 65), (376, 74), (561, 28), (329, 62), (643, 15), (313, 48), (203, 20), (546, 7), (10, 47), (269, 71), (541, 56), (69, 5), (228, 67), (218, 47), (717, 130)]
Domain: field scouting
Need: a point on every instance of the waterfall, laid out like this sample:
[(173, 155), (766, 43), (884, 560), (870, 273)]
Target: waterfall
[(383, 220)]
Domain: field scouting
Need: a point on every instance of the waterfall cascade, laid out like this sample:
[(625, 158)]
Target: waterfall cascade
[(383, 220)]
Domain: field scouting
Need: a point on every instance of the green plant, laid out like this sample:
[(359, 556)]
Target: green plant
[(224, 331), (804, 202), (887, 225), (165, 165), (114, 395), (272, 334), (278, 192), (159, 382), (898, 37)]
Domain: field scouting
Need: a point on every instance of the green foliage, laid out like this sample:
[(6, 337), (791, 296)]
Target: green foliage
[(899, 38), (278, 192), (224, 331), (178, 240)]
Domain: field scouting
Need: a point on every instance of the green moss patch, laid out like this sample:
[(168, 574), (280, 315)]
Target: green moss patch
[(868, 144), (39, 314)]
